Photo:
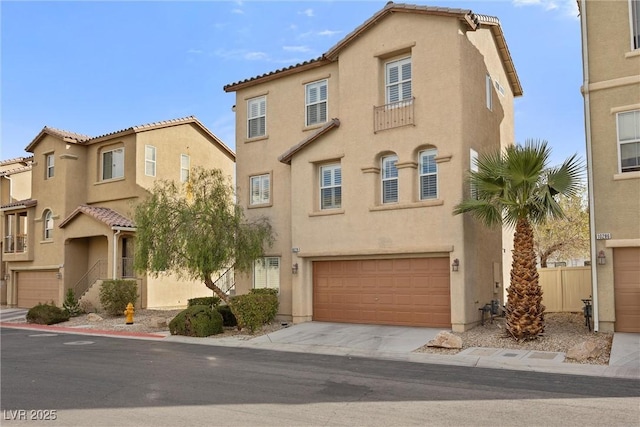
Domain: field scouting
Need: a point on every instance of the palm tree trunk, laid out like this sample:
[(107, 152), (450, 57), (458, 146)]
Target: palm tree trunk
[(525, 312)]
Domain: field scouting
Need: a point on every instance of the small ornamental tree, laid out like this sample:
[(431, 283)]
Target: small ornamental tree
[(196, 229)]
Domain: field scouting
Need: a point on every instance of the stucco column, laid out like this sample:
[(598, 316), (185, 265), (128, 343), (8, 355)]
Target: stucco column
[(407, 180)]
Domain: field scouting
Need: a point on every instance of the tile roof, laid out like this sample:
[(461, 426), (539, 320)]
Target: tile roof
[(24, 160), (472, 20), (288, 155), (26, 203), (105, 215), (16, 170)]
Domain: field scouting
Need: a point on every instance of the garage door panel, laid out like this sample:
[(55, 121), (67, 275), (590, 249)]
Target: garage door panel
[(626, 266), (36, 287), (410, 291)]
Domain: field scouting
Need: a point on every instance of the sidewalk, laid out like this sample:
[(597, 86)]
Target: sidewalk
[(392, 343)]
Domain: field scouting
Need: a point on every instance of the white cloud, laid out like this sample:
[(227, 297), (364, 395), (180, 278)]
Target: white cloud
[(237, 11), (568, 8), (328, 33), (195, 51), (255, 56), (296, 48), (306, 12)]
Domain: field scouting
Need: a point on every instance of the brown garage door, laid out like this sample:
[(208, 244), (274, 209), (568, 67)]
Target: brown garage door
[(626, 279), (37, 287), (408, 292)]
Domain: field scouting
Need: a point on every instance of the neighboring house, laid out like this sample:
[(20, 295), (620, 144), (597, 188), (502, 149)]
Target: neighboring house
[(358, 158), (15, 184), (79, 213), (611, 61)]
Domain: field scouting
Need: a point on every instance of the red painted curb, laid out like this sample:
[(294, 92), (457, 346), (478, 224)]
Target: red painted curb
[(81, 331)]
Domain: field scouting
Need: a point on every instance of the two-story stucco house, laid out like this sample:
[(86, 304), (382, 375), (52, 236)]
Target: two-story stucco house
[(358, 158), (15, 184), (77, 227), (611, 89)]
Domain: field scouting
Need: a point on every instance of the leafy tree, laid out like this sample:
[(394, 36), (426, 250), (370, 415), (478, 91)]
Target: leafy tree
[(196, 229), (566, 237), (517, 188)]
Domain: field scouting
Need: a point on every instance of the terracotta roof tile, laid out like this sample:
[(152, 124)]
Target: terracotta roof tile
[(67, 134), (9, 172), (23, 160), (105, 215), (288, 155), (26, 203)]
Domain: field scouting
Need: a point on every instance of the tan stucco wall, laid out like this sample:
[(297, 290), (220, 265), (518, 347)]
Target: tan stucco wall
[(450, 115), (613, 86), (167, 291)]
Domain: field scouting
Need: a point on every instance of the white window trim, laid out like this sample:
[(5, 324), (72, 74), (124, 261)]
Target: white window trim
[(428, 152), (151, 162), (261, 200), (269, 279), (48, 225), (385, 178), (308, 104), (489, 92), (332, 167), (250, 102), (184, 169), (50, 165), (619, 143), (102, 172), (401, 99)]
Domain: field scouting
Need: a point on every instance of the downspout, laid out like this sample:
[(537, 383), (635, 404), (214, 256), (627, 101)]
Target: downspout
[(115, 253), (587, 116)]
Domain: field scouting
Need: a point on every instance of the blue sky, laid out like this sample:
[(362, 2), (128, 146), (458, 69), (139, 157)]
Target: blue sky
[(97, 67)]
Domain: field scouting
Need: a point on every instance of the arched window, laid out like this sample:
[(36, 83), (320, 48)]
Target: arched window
[(428, 171), (48, 225), (389, 179)]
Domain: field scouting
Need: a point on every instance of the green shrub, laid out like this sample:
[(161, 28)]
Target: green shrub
[(228, 318), (46, 314), (196, 321), (256, 308), (212, 302), (116, 294), (71, 304)]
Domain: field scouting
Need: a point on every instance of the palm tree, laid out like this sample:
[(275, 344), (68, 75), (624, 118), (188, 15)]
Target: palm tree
[(516, 187)]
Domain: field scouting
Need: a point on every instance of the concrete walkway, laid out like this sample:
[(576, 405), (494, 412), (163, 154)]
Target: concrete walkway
[(387, 342)]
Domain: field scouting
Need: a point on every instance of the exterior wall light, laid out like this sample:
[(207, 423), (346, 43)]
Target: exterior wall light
[(455, 266), (602, 259), (294, 269)]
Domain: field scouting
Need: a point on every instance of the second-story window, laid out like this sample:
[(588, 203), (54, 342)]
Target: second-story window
[(331, 186), (150, 160), (389, 179), (113, 164), (48, 225), (428, 174), (398, 80), (635, 23), (50, 160), (629, 140), (489, 92), (473, 167), (257, 117), (316, 102), (260, 189), (185, 167)]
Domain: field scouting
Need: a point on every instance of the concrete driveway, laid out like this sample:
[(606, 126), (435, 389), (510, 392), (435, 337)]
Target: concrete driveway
[(388, 339)]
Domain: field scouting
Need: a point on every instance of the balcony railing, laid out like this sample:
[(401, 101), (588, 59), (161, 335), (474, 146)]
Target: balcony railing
[(15, 244), (393, 115)]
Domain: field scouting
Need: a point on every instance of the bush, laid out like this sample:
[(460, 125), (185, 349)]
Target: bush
[(46, 314), (71, 304), (212, 302), (228, 318), (196, 321), (256, 308), (116, 294)]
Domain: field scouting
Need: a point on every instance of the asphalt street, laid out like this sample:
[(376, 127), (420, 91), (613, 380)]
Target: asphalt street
[(91, 380)]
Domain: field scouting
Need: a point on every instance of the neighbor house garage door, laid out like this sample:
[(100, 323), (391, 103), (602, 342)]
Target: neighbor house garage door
[(408, 292), (626, 279), (37, 287)]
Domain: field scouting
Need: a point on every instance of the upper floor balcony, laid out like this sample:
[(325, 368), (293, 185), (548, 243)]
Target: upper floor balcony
[(393, 115), (15, 244)]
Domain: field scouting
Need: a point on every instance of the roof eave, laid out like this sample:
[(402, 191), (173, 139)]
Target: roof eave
[(234, 87), (288, 155)]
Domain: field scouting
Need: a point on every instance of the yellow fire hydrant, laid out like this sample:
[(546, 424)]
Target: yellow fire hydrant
[(129, 314)]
